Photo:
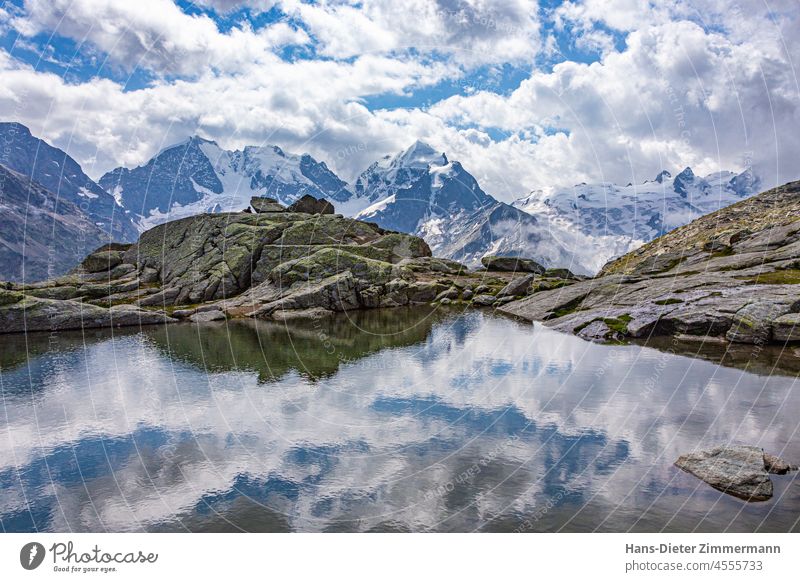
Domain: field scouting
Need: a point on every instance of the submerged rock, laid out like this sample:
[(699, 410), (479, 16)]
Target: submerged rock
[(741, 471)]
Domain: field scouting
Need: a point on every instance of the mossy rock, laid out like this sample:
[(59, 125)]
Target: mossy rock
[(331, 261), (512, 264), (403, 246), (10, 297), (102, 261)]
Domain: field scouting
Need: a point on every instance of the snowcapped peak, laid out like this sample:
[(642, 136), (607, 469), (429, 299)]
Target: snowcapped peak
[(419, 155), (200, 140), (687, 174), (664, 174)]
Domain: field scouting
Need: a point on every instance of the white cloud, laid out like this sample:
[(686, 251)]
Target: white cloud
[(711, 89), (471, 32), (155, 35)]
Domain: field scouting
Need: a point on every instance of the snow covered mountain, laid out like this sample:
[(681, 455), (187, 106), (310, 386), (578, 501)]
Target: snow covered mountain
[(625, 217), (422, 192), (62, 176), (198, 176)]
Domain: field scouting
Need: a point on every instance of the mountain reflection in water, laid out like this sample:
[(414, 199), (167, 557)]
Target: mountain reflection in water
[(398, 420)]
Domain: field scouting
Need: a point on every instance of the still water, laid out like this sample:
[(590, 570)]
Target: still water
[(398, 420)]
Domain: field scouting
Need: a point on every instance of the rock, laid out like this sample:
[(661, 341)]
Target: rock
[(205, 316), (560, 274), (752, 324), (467, 294), (776, 465), (519, 286), (310, 205), (481, 289), (786, 328), (35, 314), (737, 470), (449, 294), (423, 292), (121, 270), (262, 204), (484, 300), (100, 261), (596, 331), (513, 264)]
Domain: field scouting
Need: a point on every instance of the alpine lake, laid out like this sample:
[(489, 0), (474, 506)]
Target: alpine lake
[(424, 419)]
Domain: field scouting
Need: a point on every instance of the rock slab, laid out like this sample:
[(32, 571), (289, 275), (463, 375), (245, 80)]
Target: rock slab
[(741, 470)]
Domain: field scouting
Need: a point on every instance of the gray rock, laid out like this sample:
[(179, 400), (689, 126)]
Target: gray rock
[(519, 286), (513, 264), (467, 294), (263, 204), (786, 328), (449, 294), (737, 470), (776, 465), (205, 316), (484, 300), (560, 274), (752, 324), (310, 205)]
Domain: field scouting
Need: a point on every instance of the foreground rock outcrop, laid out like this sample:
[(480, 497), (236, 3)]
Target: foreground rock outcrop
[(742, 471), (269, 262), (733, 275)]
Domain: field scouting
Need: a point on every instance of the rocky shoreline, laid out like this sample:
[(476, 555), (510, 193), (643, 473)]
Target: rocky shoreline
[(728, 277), (266, 262), (732, 276)]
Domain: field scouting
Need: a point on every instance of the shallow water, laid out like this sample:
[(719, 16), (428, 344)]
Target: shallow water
[(412, 420)]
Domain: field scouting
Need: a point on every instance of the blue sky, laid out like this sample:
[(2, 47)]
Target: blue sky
[(526, 93)]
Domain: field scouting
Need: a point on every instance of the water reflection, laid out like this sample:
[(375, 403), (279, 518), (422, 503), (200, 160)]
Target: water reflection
[(401, 420)]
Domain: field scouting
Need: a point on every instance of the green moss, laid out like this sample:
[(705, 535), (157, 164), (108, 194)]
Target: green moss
[(782, 277), (615, 324), (10, 297), (669, 301), (567, 308), (726, 252)]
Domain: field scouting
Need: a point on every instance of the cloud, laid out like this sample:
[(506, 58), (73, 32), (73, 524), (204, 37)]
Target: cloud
[(712, 87), (471, 32), (155, 35)]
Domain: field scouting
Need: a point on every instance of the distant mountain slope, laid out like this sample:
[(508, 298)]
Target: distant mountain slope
[(731, 275), (635, 214), (420, 191), (41, 235), (59, 173), (198, 176)]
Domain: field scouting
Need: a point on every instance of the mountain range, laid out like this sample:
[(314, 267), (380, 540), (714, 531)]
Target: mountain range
[(419, 191)]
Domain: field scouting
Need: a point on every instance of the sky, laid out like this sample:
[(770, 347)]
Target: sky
[(525, 93)]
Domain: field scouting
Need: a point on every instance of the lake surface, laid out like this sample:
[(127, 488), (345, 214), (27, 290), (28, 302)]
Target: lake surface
[(394, 420)]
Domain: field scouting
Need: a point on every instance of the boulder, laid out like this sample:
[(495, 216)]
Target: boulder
[(519, 286), (736, 470), (103, 260), (484, 300), (786, 328), (310, 205), (449, 294), (776, 465), (560, 274), (752, 324), (263, 204), (513, 264)]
